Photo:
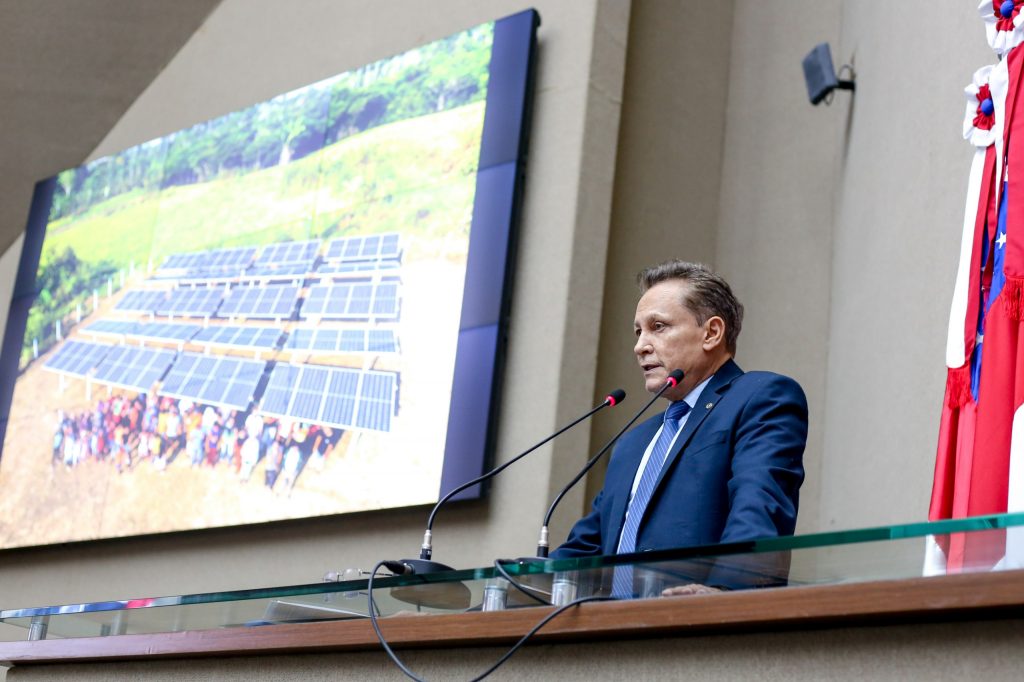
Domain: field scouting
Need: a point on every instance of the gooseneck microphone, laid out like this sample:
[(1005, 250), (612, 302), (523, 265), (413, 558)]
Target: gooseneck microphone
[(424, 564), (673, 379)]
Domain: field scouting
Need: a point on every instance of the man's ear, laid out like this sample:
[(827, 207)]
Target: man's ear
[(714, 333)]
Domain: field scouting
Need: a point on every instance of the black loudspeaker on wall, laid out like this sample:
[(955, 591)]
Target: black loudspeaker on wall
[(820, 75)]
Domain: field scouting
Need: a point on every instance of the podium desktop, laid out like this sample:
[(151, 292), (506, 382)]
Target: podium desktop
[(870, 578)]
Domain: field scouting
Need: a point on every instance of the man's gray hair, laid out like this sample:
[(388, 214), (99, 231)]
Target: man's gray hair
[(709, 294)]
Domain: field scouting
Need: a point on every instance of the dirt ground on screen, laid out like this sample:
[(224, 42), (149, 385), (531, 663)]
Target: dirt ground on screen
[(43, 502)]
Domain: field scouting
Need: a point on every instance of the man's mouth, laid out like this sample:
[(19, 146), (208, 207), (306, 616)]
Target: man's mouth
[(648, 367)]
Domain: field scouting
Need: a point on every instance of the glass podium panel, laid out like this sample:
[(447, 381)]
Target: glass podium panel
[(972, 545)]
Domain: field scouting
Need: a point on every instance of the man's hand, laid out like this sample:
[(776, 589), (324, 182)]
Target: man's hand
[(686, 590)]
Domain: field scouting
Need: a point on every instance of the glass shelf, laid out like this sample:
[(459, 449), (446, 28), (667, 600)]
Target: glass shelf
[(978, 544)]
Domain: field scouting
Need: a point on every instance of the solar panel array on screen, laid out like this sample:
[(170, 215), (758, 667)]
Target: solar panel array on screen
[(141, 300), (77, 358), (276, 301), (342, 340), (373, 247), (133, 367), (185, 261), (217, 263), (165, 331), (388, 269), (239, 337), (111, 327), (215, 380), (352, 301), (201, 302), (289, 270), (376, 401), (187, 302), (340, 397), (231, 259), (288, 253)]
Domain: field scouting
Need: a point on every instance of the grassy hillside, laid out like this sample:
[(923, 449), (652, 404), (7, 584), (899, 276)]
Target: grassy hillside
[(413, 175)]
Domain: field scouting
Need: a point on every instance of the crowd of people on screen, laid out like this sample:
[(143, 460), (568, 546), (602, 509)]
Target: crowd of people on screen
[(129, 431)]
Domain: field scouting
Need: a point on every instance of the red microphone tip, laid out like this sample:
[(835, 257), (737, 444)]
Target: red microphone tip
[(674, 378)]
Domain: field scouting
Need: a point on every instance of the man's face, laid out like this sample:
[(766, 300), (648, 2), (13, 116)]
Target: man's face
[(668, 337)]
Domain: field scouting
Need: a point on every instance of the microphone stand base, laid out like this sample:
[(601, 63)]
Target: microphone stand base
[(437, 595), (416, 566)]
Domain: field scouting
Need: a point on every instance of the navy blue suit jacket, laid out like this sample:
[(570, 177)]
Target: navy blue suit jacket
[(733, 473)]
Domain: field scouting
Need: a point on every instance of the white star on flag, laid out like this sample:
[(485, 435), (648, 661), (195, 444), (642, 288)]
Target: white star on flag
[(1001, 240)]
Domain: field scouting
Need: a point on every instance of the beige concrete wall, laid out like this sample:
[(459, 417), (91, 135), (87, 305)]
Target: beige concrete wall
[(249, 50), (779, 182), (723, 161), (68, 71), (899, 210), (668, 178), (839, 227)]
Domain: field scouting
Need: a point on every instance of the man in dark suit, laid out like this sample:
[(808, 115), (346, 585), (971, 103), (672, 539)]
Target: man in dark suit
[(724, 462)]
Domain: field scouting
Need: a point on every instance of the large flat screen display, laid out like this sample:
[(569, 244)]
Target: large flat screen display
[(293, 310)]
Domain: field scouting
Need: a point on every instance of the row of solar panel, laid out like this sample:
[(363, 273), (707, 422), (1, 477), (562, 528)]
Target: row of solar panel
[(126, 366), (280, 258), (386, 269), (163, 331), (192, 302), (213, 380), (263, 338), (343, 340), (368, 270), (341, 397), (351, 301), (239, 258), (331, 396), (374, 247), (271, 301), (276, 301), (225, 259)]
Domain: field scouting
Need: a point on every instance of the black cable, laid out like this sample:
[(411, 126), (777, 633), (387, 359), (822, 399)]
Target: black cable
[(376, 626), (542, 545), (535, 629), (508, 654), (593, 460), (499, 469), (528, 591)]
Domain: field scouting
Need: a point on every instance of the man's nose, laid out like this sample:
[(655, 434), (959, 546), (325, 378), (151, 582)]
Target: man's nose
[(641, 345)]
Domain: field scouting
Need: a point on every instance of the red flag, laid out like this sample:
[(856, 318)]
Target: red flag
[(985, 382)]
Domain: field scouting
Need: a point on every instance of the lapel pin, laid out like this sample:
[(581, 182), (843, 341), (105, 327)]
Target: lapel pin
[(709, 406)]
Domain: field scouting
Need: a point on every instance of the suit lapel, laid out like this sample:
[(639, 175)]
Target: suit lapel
[(706, 402)]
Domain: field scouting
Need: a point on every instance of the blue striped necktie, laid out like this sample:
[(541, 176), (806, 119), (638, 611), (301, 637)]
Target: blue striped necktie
[(622, 583)]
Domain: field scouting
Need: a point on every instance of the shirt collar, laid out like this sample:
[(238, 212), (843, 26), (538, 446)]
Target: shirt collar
[(692, 396)]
